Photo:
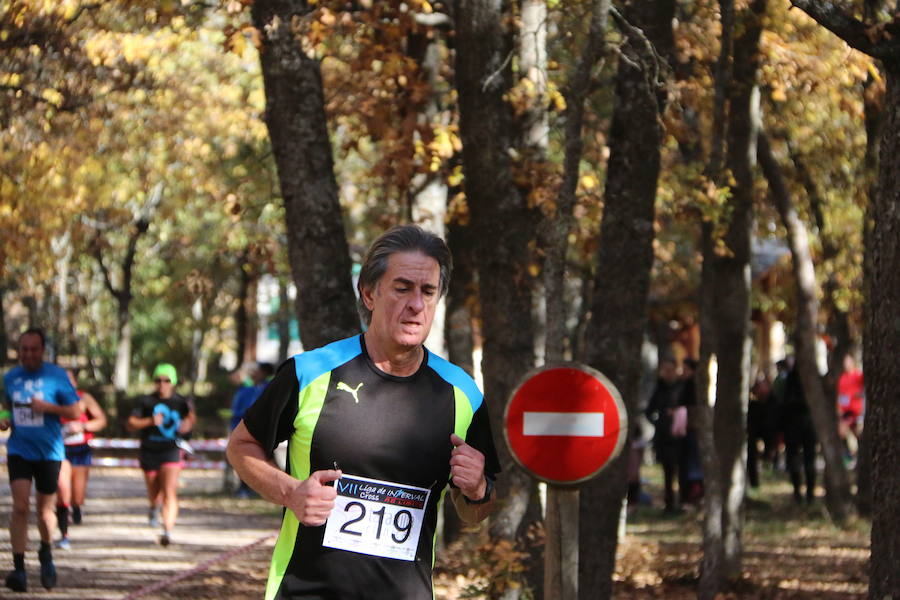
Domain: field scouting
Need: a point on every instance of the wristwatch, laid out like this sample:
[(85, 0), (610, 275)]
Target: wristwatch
[(488, 488)]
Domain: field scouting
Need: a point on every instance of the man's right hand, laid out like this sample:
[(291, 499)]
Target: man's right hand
[(312, 500)]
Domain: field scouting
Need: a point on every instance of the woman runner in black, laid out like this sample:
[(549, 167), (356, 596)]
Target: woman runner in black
[(161, 418)]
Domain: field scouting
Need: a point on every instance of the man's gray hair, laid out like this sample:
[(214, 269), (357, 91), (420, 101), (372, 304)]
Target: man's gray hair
[(401, 238)]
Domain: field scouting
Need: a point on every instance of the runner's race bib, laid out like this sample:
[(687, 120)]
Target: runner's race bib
[(376, 517), (23, 415), (73, 438)]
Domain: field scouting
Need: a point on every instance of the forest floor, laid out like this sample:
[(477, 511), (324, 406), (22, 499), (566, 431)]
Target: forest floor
[(222, 547)]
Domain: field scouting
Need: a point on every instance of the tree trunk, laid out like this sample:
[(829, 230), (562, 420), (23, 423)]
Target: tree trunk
[(296, 120), (562, 544), (4, 337), (122, 373), (501, 224), (458, 332), (731, 281), (624, 259), (284, 321), (242, 314), (461, 298), (837, 485), (874, 102), (882, 338), (712, 566)]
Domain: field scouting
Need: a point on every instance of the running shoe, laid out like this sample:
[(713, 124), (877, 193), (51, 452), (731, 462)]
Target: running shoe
[(153, 517), (48, 570), (63, 544), (76, 515), (17, 580), (164, 539)]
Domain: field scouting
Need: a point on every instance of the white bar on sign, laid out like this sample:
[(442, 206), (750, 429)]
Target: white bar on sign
[(588, 424)]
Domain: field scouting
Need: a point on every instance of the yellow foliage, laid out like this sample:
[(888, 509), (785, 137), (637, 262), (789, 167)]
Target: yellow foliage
[(588, 182)]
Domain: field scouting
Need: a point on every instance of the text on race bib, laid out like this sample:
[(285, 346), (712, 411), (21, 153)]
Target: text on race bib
[(23, 414), (374, 517)]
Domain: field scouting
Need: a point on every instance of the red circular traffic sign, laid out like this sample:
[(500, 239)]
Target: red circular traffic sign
[(565, 422)]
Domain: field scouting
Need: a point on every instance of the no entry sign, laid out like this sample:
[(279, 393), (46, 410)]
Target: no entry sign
[(565, 422)]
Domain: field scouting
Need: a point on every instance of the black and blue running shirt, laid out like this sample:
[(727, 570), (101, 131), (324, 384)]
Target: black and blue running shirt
[(390, 436)]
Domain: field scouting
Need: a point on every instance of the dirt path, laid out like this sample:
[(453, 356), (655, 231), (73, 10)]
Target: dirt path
[(115, 554)]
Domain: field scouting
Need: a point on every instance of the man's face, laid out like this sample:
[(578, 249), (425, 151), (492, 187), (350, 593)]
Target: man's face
[(31, 351), (404, 300)]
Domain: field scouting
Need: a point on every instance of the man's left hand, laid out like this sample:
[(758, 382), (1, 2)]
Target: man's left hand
[(40, 406), (467, 469)]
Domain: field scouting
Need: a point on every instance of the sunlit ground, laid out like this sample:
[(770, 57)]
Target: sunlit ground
[(790, 551)]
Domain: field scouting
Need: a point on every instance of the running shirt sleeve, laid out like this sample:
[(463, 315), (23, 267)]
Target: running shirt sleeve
[(479, 437), (270, 420)]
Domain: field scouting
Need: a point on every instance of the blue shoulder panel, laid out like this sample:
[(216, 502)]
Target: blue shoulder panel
[(310, 365), (458, 377)]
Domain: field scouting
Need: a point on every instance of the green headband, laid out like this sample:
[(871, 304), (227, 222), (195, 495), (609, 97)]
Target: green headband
[(166, 370)]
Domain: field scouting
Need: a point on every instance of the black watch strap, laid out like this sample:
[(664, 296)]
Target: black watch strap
[(488, 489)]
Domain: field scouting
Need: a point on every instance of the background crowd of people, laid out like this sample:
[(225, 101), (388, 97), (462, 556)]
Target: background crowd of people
[(780, 431)]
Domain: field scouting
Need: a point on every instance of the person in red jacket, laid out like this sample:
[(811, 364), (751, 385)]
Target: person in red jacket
[(851, 405)]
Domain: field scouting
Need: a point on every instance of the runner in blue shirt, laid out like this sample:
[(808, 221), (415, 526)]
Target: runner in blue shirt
[(36, 394)]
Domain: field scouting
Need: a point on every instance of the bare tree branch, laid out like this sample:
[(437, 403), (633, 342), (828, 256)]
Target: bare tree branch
[(877, 40)]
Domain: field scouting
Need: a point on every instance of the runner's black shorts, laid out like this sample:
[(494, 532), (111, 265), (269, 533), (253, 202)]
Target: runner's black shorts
[(154, 459), (44, 472)]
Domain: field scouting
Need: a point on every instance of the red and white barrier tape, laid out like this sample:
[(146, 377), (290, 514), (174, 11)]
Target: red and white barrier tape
[(208, 445), (197, 569)]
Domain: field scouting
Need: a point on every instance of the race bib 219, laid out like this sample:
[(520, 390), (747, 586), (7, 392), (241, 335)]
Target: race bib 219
[(374, 517)]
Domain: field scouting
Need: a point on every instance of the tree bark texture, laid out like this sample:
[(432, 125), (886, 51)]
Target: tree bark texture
[(243, 312), (4, 337), (501, 224), (712, 566), (624, 259), (882, 339), (295, 117), (555, 231), (561, 549), (461, 298), (882, 313), (837, 485), (283, 320), (873, 103), (731, 273)]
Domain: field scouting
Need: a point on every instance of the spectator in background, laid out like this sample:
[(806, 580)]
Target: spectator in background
[(690, 469), (775, 413), (851, 406), (661, 410), (757, 425), (799, 438), (260, 375)]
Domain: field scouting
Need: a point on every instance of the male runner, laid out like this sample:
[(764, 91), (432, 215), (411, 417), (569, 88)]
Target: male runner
[(377, 426), (36, 395)]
